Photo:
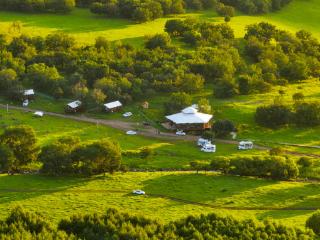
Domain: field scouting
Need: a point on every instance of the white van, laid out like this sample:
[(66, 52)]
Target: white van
[(201, 142), (209, 148), (245, 145)]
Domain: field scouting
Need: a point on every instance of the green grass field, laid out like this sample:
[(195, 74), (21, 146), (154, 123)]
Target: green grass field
[(241, 110), (58, 198), (86, 26), (168, 154)]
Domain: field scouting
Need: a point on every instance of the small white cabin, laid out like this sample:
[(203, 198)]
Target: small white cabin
[(245, 145)]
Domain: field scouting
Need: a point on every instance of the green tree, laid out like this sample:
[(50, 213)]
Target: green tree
[(22, 142), (313, 222)]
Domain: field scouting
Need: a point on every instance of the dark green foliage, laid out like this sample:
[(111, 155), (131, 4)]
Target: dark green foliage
[(177, 102), (7, 159), (38, 6), (269, 166), (307, 114), (67, 156), (21, 224), (313, 223), (159, 40), (305, 162), (144, 10), (273, 116), (116, 225), (257, 6), (222, 128), (22, 143)]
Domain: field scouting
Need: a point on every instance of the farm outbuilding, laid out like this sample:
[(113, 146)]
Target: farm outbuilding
[(74, 107), (189, 119), (113, 106), (28, 94)]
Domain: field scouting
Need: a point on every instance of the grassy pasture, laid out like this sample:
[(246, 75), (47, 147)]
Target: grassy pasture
[(58, 198), (85, 26), (168, 154), (241, 110)]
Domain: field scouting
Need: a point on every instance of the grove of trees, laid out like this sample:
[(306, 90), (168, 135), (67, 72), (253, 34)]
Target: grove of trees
[(38, 5), (117, 225)]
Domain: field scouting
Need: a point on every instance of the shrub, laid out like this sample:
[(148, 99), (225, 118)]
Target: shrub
[(313, 222)]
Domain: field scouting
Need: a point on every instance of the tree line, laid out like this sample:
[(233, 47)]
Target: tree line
[(256, 6), (117, 225), (279, 114), (38, 5), (56, 65), (145, 10), (65, 156)]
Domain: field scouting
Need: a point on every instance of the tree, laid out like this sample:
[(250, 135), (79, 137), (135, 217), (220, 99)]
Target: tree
[(225, 89), (313, 222), (305, 162), (199, 166), (97, 157), (204, 106), (158, 40), (7, 159), (8, 79), (56, 158), (223, 128), (298, 97), (177, 102), (273, 116), (21, 140), (307, 114)]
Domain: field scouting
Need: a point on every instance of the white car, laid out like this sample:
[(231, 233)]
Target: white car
[(209, 148), (25, 103), (38, 114), (138, 192), (127, 114), (131, 132), (180, 133)]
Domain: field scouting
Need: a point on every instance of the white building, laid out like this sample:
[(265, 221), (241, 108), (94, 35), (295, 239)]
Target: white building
[(190, 119), (113, 106)]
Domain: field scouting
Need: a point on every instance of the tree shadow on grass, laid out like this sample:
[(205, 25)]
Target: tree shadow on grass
[(79, 21), (22, 187), (202, 188)]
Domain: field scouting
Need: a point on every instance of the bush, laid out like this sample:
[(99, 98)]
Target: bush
[(146, 152), (305, 162), (307, 114), (313, 222), (273, 116), (222, 128)]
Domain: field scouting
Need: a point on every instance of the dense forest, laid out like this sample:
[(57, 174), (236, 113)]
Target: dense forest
[(56, 65), (116, 225), (38, 5), (256, 6)]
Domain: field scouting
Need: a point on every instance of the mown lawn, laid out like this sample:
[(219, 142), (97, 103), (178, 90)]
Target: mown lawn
[(58, 198), (168, 154), (85, 26)]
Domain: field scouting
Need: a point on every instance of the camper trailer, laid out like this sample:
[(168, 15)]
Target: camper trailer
[(245, 145), (209, 148)]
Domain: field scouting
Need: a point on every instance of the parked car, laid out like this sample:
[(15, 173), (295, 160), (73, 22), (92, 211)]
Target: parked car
[(180, 133), (38, 114), (245, 145), (127, 114), (138, 192), (25, 103), (209, 148), (131, 132), (202, 141)]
